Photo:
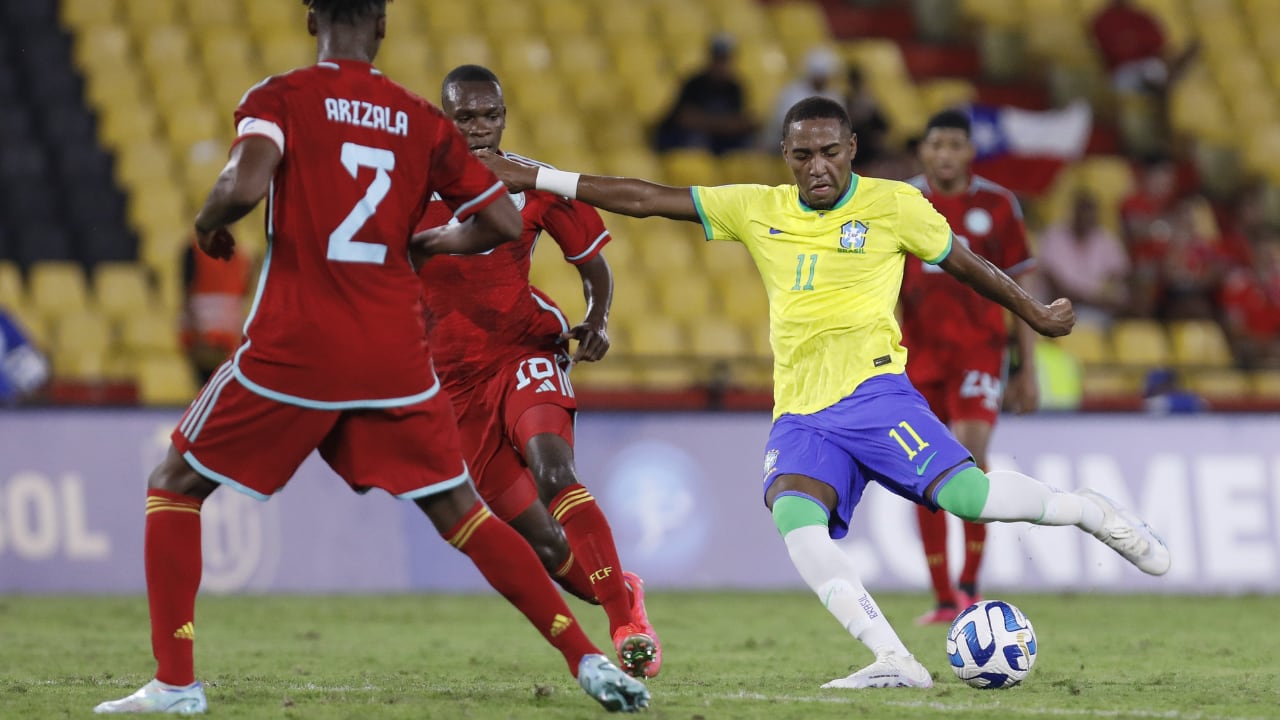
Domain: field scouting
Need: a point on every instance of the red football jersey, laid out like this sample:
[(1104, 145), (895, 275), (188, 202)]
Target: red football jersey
[(938, 311), (481, 311), (337, 321)]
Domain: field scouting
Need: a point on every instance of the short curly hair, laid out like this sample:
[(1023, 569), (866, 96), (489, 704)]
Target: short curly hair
[(347, 11)]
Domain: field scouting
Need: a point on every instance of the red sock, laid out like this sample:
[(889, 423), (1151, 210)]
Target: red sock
[(933, 532), (172, 551), (591, 542), (513, 569), (573, 578), (975, 540)]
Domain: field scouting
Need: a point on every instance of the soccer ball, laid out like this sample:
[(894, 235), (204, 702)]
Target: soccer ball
[(991, 645)]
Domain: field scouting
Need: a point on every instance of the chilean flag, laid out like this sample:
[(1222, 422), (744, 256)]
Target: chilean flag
[(1023, 150)]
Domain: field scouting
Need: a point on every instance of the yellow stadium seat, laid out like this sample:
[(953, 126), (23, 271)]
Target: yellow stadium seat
[(283, 53), (657, 336), (148, 333), (742, 297), (106, 46), (607, 128), (164, 49), (938, 95), (444, 19), (144, 16), (565, 17), (174, 91), (632, 162), (223, 48), (625, 20), (751, 167), (144, 164), (1088, 344), (690, 166), (743, 19), (56, 288), (160, 207), (1140, 343), (509, 20), (1266, 384), (1111, 383), (610, 374), (1110, 178), (464, 48), (165, 380), (189, 124), (683, 294), (670, 374), (85, 14), (11, 290), (995, 13), (760, 346), (81, 331), (1199, 343), (204, 16), (1219, 384), (81, 366), (121, 288), (272, 18), (716, 337), (35, 326), (632, 295), (580, 55)]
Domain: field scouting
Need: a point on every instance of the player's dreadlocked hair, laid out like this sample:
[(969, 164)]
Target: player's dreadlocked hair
[(469, 73), (816, 108), (347, 11)]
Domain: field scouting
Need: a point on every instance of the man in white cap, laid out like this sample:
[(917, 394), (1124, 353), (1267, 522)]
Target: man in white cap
[(821, 68)]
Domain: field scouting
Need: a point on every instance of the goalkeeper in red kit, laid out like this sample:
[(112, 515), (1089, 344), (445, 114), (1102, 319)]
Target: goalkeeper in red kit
[(957, 338)]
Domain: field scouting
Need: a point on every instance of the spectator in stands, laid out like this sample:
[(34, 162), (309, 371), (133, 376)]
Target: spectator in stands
[(1190, 267), (821, 67), (213, 312), (1143, 217), (711, 109), (1163, 394), (869, 123), (1133, 48), (1083, 261), (1251, 304), (23, 369)]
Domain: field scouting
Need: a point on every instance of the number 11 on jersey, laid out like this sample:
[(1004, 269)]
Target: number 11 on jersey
[(813, 265)]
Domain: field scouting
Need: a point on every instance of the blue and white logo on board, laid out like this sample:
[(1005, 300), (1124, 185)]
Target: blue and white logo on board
[(853, 236)]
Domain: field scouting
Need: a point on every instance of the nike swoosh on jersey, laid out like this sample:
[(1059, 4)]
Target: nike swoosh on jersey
[(925, 465), (774, 231)]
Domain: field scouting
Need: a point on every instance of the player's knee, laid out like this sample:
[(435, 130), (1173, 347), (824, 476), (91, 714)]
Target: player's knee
[(553, 477), (965, 494), (175, 475)]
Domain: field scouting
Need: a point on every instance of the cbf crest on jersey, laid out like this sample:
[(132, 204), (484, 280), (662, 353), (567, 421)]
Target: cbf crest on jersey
[(853, 237)]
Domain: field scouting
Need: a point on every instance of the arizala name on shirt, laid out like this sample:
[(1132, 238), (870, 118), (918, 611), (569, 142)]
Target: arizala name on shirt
[(365, 114)]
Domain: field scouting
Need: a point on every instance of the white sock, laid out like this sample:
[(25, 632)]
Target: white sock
[(830, 573), (1013, 497)]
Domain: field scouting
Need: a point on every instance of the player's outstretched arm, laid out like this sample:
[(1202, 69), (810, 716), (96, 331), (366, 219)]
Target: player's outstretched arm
[(625, 196), (243, 183), (975, 271), (496, 223)]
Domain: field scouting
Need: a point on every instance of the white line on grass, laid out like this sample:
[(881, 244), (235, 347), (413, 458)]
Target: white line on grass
[(971, 707)]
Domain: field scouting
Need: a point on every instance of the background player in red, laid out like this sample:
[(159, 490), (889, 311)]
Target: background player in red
[(957, 338), (500, 347), (334, 356)]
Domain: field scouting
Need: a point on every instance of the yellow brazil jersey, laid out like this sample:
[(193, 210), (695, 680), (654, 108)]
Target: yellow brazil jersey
[(832, 277)]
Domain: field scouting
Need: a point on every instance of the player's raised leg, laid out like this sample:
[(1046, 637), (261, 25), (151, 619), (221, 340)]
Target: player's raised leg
[(1008, 496), (545, 432), (975, 435)]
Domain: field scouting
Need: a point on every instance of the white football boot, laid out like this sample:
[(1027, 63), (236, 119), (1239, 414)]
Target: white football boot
[(157, 697), (1128, 535), (889, 670)]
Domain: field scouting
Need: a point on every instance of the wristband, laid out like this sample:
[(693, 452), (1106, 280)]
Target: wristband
[(557, 181)]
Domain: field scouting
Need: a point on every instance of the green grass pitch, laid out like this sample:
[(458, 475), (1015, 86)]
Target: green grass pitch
[(728, 655)]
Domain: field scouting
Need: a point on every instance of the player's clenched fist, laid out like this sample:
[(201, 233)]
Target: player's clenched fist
[(593, 341), (1056, 318), (217, 243)]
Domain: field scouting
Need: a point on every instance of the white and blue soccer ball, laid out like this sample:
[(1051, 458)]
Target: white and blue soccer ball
[(991, 645)]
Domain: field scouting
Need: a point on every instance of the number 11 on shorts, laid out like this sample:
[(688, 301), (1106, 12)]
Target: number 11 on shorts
[(920, 443)]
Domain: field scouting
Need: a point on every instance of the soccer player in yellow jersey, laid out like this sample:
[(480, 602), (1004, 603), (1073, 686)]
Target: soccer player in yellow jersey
[(831, 250)]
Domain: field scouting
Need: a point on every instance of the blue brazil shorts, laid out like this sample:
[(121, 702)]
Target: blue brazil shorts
[(884, 432)]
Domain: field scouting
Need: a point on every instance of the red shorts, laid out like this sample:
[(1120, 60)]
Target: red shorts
[(238, 438), (963, 385), (488, 414)]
